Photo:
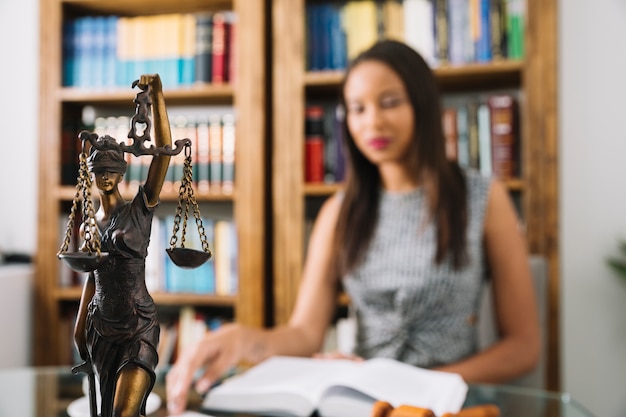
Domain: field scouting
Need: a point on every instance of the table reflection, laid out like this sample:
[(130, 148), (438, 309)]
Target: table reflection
[(47, 392)]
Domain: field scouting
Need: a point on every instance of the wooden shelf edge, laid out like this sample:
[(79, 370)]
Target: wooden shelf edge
[(322, 189), (443, 73), (67, 193), (124, 95), (72, 294)]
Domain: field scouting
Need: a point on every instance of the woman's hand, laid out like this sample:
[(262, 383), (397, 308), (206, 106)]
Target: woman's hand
[(337, 355), (215, 353)]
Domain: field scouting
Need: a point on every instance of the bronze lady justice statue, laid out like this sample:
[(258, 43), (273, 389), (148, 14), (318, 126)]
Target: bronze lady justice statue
[(116, 331)]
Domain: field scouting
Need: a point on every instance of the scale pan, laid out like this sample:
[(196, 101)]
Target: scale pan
[(83, 261), (188, 258)]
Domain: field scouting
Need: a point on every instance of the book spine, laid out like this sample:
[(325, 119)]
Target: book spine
[(515, 28), (462, 127), (337, 39), (360, 26), (393, 18), (178, 161), (218, 48), (228, 153), (187, 49), (442, 31), (202, 128), (110, 51), (215, 153), (222, 258), (503, 135), (472, 135), (450, 133), (338, 134), (314, 144), (483, 48), (497, 30), (204, 48), (418, 28), (484, 139), (457, 13)]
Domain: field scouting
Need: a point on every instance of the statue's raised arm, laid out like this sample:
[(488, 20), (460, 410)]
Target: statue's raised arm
[(162, 138)]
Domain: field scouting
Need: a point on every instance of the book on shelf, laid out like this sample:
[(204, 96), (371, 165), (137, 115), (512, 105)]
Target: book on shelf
[(442, 39), (450, 132), (228, 153), (314, 144), (484, 139), (204, 48), (202, 152), (462, 129), (200, 280), (487, 132), (360, 24), (219, 49), (225, 257), (419, 28), (109, 51), (215, 153), (503, 129), (444, 31), (294, 386)]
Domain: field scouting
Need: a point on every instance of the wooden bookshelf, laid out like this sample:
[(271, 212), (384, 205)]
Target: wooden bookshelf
[(534, 77), (248, 200)]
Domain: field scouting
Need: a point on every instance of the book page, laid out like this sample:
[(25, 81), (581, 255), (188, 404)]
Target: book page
[(280, 385), (400, 384)]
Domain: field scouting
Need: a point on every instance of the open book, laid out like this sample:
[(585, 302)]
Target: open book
[(293, 386)]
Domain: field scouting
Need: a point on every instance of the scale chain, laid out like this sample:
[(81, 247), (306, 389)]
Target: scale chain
[(186, 194)]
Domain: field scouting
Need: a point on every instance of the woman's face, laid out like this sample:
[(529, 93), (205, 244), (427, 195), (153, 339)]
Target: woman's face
[(379, 113), (107, 181)]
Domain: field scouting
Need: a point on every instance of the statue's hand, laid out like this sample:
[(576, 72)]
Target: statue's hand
[(84, 367), (152, 80)]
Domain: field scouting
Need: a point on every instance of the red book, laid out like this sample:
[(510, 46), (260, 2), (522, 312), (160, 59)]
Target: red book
[(314, 144), (219, 48), (504, 141)]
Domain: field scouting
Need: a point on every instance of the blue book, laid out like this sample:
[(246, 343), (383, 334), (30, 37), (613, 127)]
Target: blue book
[(203, 48), (110, 51), (69, 52), (338, 48), (98, 51), (457, 18), (483, 45)]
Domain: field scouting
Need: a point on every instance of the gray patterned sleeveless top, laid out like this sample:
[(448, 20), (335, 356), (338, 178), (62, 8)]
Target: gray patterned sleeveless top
[(408, 307)]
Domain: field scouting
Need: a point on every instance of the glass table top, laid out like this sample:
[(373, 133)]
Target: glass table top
[(48, 391)]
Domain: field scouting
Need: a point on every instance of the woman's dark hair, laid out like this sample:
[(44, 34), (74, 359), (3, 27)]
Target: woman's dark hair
[(443, 180)]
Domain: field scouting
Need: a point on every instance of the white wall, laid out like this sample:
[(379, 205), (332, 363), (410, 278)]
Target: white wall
[(19, 80), (592, 100)]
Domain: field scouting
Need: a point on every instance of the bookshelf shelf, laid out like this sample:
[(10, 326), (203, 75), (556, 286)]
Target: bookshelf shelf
[(66, 193), (72, 294), (197, 94), (321, 189), (245, 206), (533, 77), (505, 70)]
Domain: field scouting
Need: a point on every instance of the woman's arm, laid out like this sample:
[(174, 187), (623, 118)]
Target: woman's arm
[(162, 137), (218, 351), (518, 349)]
